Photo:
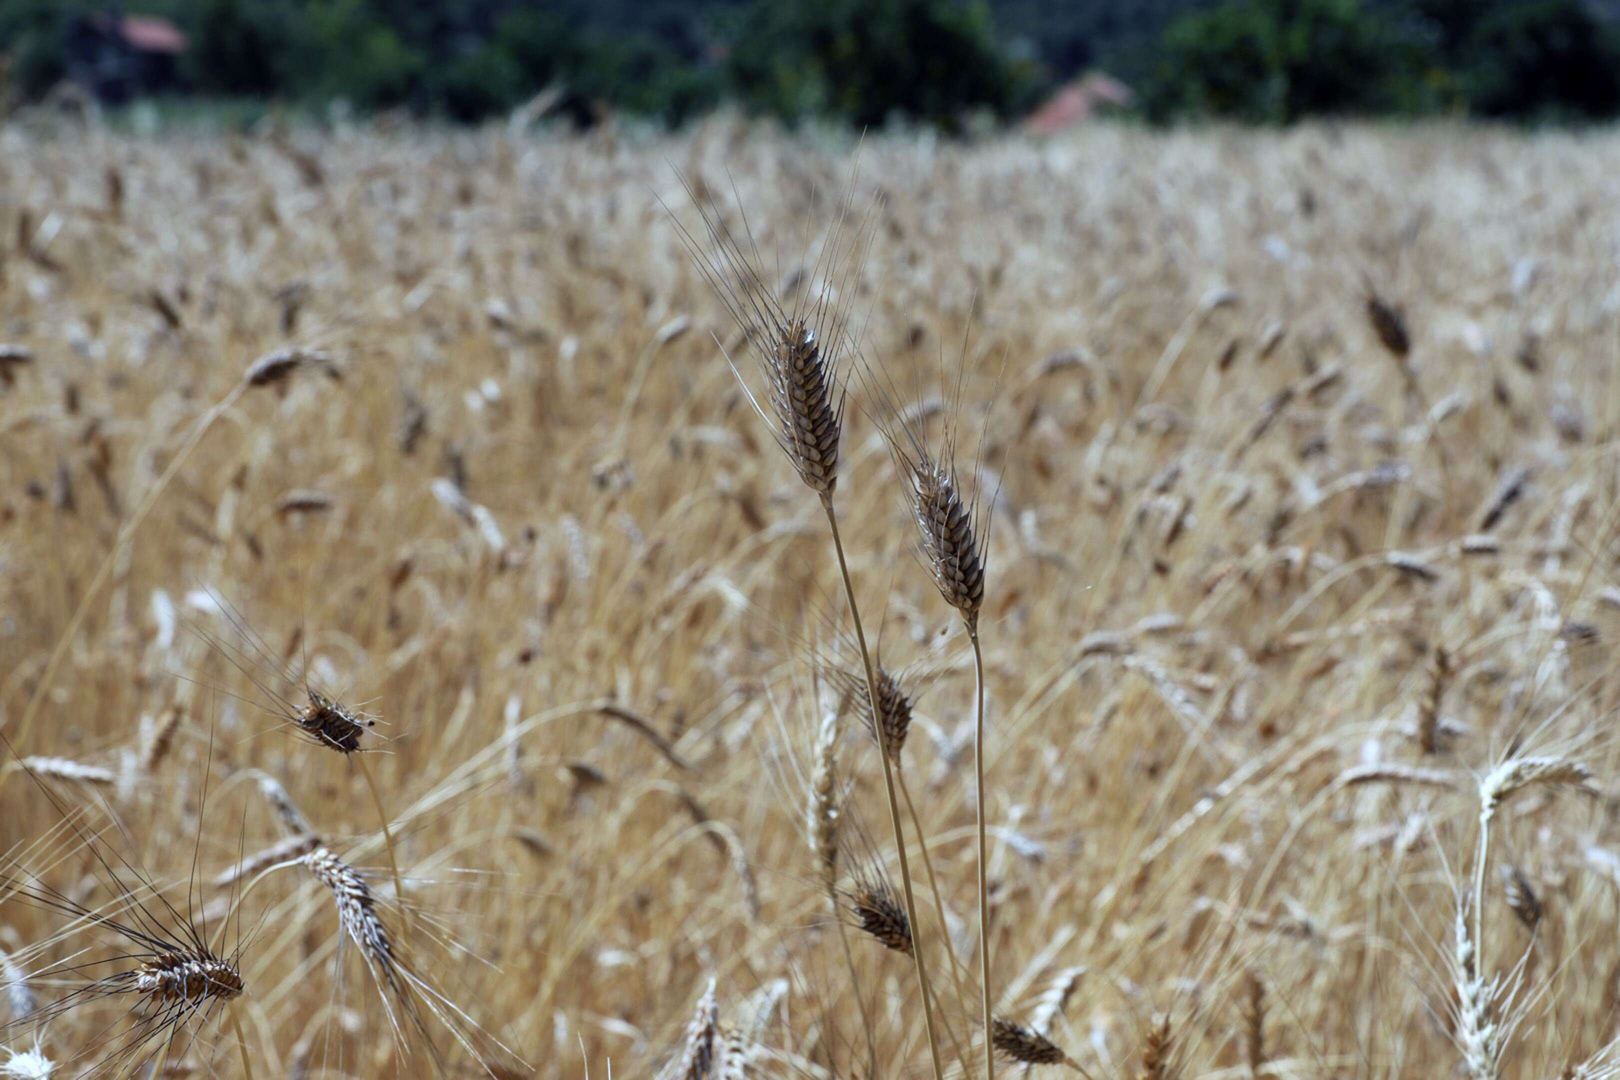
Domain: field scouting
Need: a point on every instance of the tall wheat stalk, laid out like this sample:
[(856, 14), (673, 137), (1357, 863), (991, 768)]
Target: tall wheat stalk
[(888, 784), (798, 349), (949, 533)]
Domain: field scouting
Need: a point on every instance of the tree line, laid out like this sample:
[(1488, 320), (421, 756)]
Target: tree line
[(947, 63)]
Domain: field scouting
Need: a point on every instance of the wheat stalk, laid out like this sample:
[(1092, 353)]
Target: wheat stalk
[(1394, 772), (1521, 897), (293, 821), (1499, 785), (798, 351), (952, 547), (288, 849), (275, 368), (736, 1055), (880, 914)]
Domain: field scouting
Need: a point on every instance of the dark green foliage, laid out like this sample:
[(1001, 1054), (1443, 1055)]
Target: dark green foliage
[(1275, 61), (240, 47), (34, 34), (863, 62), (1552, 57)]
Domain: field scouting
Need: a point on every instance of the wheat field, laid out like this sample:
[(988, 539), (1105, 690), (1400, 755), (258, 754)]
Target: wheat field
[(1294, 464)]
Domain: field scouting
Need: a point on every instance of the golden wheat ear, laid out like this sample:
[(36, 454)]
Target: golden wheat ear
[(1025, 1045), (163, 971), (802, 335)]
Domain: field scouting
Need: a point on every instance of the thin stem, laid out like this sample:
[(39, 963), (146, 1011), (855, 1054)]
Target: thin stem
[(241, 898), (241, 1043), (855, 988), (163, 1058), (978, 813), (1484, 854), (933, 883), (888, 787), (388, 837), (950, 1031)]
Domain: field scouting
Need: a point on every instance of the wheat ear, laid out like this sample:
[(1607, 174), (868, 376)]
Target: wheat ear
[(1024, 1044), (889, 728), (1499, 785), (1156, 1050), (824, 814), (1253, 1010)]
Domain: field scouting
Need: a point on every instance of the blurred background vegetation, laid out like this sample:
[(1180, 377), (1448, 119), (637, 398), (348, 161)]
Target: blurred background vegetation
[(950, 63)]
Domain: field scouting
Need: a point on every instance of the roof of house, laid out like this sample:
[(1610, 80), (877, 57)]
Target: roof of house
[(153, 35), (1077, 102)]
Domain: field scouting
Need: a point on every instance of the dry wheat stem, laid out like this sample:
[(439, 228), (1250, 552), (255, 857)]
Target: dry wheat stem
[(933, 883), (157, 747), (978, 815), (824, 801), (1497, 787), (1521, 897), (286, 850), (824, 844), (388, 841), (855, 989), (945, 528), (241, 1042), (888, 787)]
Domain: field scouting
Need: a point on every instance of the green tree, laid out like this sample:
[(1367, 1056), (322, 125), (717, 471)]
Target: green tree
[(34, 34), (1274, 61), (866, 60), (1548, 58), (239, 48), (356, 55)]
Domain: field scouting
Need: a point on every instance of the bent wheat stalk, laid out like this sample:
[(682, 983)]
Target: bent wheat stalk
[(388, 836)]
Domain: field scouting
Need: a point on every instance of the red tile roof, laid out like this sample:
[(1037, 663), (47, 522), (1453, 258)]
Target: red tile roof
[(152, 35), (1076, 103)]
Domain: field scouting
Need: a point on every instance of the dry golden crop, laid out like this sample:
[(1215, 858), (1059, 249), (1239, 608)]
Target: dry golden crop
[(416, 659)]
